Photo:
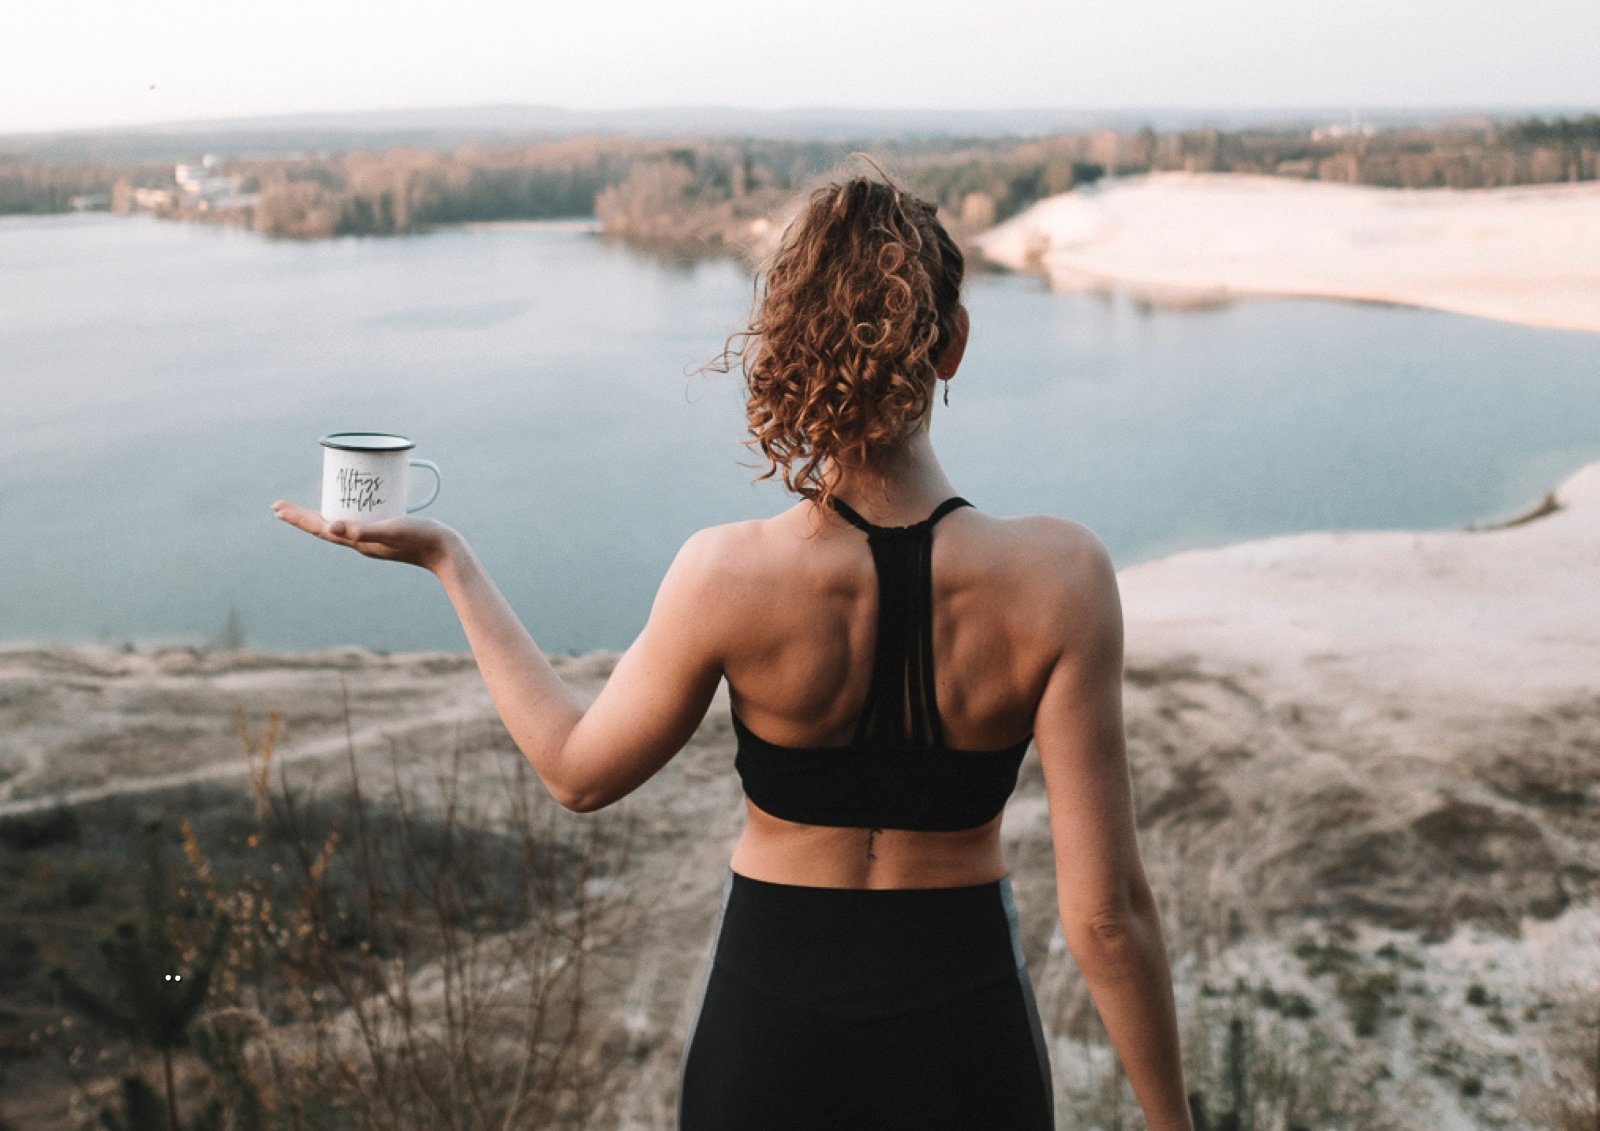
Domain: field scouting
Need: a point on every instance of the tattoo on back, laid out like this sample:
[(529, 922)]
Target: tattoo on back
[(871, 833)]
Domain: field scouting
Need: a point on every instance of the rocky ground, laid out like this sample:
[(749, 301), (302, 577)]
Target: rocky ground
[(1365, 769)]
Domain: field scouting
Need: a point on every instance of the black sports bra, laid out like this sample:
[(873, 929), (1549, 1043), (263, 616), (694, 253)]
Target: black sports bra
[(897, 772)]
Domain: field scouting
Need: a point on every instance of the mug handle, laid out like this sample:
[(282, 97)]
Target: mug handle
[(438, 481)]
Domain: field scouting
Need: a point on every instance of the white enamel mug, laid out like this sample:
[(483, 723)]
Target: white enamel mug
[(366, 476)]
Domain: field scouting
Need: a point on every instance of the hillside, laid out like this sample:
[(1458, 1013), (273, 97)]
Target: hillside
[(1364, 765)]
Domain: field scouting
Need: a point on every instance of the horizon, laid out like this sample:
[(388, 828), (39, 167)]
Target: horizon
[(1238, 115)]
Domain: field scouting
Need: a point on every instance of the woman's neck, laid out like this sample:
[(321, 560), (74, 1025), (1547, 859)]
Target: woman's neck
[(900, 487)]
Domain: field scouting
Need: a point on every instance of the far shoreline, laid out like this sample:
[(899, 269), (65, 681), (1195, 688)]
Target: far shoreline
[(584, 224), (1477, 252)]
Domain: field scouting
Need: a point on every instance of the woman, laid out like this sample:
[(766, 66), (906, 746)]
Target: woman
[(890, 653)]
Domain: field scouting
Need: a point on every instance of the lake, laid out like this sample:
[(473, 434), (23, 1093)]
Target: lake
[(163, 383)]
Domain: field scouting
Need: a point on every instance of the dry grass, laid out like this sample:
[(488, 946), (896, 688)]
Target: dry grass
[(415, 960)]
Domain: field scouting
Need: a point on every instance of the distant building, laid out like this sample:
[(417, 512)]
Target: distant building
[(154, 199), (1354, 128), (206, 191)]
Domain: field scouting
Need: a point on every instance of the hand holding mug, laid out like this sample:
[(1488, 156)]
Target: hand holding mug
[(419, 541), (365, 483)]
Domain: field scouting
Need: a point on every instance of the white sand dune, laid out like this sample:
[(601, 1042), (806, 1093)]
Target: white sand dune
[(1528, 254), (1476, 620)]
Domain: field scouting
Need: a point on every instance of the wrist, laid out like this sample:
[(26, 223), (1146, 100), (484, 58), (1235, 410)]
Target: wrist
[(448, 555)]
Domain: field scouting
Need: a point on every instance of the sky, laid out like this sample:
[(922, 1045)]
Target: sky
[(100, 63)]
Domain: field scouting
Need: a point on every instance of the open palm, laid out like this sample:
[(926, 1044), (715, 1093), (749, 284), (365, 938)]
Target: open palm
[(419, 541)]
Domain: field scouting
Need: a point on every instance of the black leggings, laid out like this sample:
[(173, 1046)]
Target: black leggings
[(839, 1008)]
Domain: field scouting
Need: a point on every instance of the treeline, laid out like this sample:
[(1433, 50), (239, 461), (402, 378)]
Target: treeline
[(406, 190), (724, 197), (698, 194), (30, 186), (1557, 131), (403, 190), (713, 194), (683, 192)]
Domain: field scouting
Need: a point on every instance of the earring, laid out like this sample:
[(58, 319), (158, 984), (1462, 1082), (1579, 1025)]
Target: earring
[(947, 391)]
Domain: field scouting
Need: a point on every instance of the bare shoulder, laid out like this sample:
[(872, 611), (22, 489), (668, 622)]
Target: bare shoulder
[(1048, 539), (710, 546), (713, 554), (726, 586), (1072, 581), (1057, 551), (729, 559)]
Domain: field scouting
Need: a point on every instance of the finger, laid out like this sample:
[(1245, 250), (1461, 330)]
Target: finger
[(288, 512), (381, 532), (312, 522), (309, 521)]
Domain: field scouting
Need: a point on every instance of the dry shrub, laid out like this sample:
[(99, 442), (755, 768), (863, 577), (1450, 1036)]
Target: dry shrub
[(419, 962)]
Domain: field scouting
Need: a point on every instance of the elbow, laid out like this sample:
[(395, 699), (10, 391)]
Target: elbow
[(1107, 946), (569, 789), (578, 800), (1113, 939), (1108, 929)]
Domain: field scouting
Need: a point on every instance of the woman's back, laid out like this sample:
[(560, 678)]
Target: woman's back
[(800, 633)]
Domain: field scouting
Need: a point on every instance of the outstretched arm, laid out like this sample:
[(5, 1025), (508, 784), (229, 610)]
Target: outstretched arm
[(656, 696)]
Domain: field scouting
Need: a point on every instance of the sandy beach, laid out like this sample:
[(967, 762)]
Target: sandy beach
[(1526, 254), (1382, 745)]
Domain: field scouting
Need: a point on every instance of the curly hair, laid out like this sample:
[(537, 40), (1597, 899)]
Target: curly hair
[(851, 316)]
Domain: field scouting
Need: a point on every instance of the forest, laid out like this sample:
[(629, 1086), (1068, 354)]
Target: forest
[(698, 193)]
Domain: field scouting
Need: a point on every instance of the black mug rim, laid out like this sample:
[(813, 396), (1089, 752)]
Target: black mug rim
[(330, 441)]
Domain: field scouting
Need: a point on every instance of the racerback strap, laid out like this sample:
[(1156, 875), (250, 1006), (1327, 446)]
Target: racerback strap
[(902, 707)]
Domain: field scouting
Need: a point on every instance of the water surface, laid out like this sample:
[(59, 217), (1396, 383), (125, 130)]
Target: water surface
[(163, 383)]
